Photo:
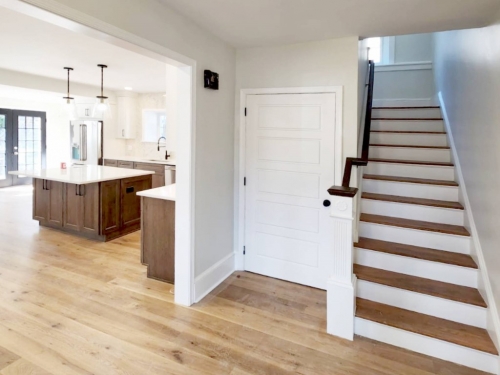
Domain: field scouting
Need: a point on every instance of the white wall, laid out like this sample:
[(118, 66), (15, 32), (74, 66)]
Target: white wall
[(410, 82), (152, 21), (468, 76), (326, 63), (412, 48)]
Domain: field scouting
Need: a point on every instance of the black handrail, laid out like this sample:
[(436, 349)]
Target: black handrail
[(345, 190)]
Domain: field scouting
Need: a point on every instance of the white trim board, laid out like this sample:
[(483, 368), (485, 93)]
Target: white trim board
[(420, 65), (240, 152), (211, 278), (477, 253), (183, 72)]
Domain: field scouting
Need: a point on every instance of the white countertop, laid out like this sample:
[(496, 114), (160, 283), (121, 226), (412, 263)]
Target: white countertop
[(165, 192), (139, 159), (82, 175)]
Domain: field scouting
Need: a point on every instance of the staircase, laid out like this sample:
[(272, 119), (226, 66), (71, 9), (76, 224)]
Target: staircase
[(417, 283)]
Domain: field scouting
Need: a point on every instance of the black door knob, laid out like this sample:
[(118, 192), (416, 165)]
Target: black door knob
[(326, 203)]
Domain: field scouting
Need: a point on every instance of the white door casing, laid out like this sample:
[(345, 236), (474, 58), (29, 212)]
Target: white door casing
[(290, 164)]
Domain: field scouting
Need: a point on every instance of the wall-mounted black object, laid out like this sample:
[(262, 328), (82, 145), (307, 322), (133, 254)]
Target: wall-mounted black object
[(211, 80)]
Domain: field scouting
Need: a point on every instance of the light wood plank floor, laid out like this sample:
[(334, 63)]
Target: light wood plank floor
[(71, 306)]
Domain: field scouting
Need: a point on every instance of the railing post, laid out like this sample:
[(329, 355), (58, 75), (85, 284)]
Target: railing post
[(341, 287)]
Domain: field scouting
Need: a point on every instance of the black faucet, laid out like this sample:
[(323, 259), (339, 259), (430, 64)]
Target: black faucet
[(166, 151), (159, 139)]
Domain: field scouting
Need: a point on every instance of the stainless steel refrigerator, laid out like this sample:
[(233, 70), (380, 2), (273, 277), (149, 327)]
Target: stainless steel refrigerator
[(86, 142)]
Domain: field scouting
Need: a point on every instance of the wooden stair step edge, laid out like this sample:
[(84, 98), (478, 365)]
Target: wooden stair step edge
[(407, 132), (426, 325), (406, 119), (452, 292), (412, 162), (410, 146), (410, 107), (410, 200), (415, 224), (412, 180), (417, 252)]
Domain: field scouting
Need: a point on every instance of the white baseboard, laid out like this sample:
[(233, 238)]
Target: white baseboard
[(477, 253), (423, 102), (212, 277)]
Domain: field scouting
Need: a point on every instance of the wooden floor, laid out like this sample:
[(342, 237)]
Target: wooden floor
[(71, 306)]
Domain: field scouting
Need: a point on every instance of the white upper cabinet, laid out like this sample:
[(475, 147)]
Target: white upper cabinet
[(128, 117)]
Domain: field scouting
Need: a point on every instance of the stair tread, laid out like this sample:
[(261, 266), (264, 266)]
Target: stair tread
[(410, 146), (406, 119), (438, 328), (415, 224), (417, 252), (411, 200), (407, 132), (422, 107), (415, 162), (424, 181), (420, 285)]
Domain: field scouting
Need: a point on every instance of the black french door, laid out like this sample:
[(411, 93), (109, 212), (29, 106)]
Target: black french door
[(22, 144)]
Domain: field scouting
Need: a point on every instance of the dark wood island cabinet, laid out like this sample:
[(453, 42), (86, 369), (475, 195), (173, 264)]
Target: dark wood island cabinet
[(100, 208)]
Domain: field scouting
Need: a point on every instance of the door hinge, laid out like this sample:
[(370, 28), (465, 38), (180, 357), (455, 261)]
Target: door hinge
[(244, 181), (244, 250), (245, 111)]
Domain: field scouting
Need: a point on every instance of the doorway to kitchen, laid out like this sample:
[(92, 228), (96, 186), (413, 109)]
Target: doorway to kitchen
[(22, 144)]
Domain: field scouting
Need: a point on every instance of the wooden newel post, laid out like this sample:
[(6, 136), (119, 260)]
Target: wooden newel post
[(341, 287)]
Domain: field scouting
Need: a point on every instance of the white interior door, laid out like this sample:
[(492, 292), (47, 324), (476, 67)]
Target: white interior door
[(290, 148)]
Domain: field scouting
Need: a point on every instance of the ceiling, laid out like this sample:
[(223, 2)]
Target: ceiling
[(250, 23), (32, 46)]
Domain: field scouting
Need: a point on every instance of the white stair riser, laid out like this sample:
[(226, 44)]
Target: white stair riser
[(446, 273), (413, 211), (408, 153), (433, 240), (407, 113), (409, 125), (405, 189), (411, 139), (411, 170), (427, 345)]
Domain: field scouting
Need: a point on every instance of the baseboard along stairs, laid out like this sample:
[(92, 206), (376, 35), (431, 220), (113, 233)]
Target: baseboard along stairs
[(417, 283)]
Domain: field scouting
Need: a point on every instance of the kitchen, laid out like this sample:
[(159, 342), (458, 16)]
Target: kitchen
[(91, 151)]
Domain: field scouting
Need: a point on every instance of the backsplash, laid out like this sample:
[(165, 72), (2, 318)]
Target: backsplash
[(136, 147)]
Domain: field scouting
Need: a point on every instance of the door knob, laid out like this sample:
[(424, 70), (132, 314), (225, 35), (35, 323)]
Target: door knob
[(326, 203)]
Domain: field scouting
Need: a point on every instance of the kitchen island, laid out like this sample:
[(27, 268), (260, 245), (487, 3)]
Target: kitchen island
[(158, 232), (91, 201)]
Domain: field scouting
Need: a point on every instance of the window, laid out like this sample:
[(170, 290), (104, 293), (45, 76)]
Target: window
[(154, 124), (381, 50)]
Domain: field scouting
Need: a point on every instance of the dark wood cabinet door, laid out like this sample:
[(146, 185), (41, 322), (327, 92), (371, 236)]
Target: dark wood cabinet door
[(73, 208), (90, 214), (131, 203), (158, 238), (56, 198), (110, 206), (40, 200), (110, 163), (158, 180)]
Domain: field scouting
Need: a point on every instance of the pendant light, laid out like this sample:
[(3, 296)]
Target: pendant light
[(69, 104), (101, 106)]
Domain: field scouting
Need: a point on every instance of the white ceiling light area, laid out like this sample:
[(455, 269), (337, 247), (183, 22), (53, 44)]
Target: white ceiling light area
[(252, 23), (35, 47)]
